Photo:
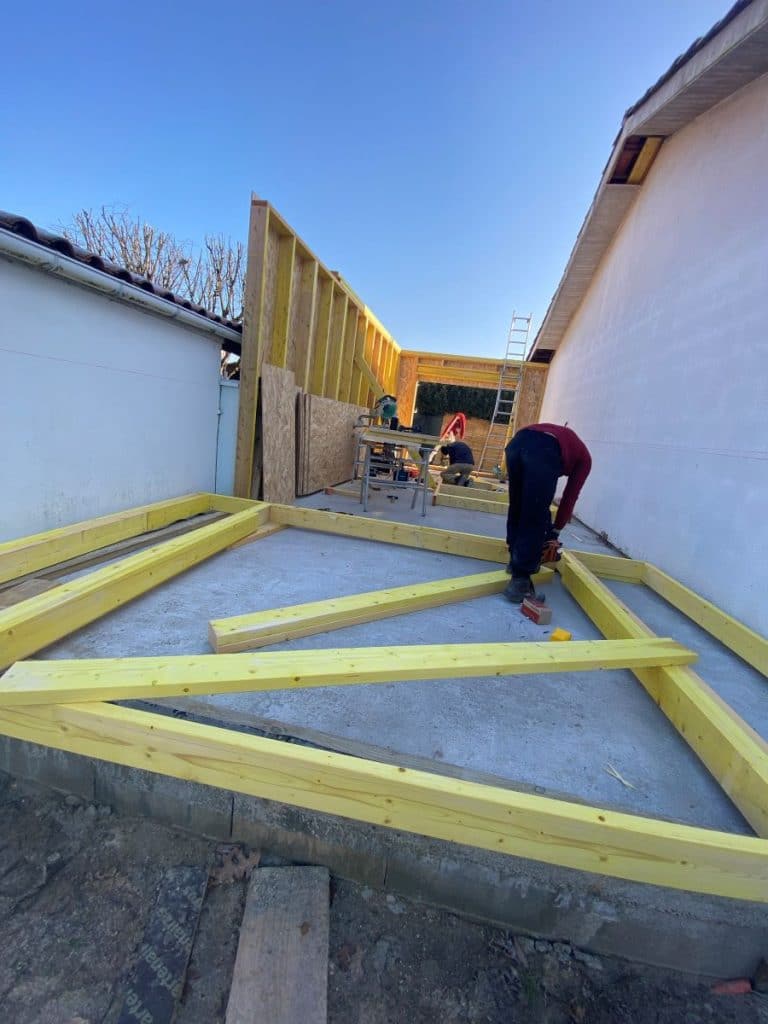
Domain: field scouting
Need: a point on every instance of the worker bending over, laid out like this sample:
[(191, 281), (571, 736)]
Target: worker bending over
[(461, 460), (536, 457)]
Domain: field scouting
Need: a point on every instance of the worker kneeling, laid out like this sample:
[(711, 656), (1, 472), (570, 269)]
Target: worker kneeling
[(462, 462), (536, 457)]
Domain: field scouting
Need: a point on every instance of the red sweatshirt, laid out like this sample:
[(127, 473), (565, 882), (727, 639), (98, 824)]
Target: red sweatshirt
[(577, 463)]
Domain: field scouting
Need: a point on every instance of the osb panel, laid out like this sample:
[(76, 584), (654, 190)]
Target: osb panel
[(530, 395), (332, 442), (278, 427)]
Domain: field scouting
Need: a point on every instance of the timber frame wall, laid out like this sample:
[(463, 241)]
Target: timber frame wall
[(301, 316), (68, 705)]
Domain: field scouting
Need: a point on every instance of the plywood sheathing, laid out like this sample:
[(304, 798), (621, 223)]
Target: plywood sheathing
[(332, 443), (278, 426), (303, 317)]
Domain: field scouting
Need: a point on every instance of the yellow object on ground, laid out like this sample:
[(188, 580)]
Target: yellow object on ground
[(560, 634)]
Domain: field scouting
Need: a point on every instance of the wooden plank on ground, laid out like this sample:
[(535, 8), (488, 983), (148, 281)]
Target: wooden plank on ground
[(157, 979), (30, 587), (469, 503), (742, 640), (34, 624), (281, 970), (95, 679), (551, 831), (427, 538), (612, 567), (263, 531), (112, 552), (478, 491), (278, 432), (733, 752), (29, 554), (257, 629)]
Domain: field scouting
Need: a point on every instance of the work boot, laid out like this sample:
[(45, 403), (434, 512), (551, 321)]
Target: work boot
[(519, 588)]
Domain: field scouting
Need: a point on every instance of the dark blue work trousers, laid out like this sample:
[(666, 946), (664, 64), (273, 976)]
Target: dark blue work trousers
[(534, 464)]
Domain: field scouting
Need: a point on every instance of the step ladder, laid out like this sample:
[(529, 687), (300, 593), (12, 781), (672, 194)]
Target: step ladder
[(510, 377)]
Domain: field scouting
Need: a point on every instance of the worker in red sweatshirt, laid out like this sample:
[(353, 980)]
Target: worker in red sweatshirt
[(536, 457)]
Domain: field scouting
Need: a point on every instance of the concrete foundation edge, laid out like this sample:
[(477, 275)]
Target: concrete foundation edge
[(675, 930)]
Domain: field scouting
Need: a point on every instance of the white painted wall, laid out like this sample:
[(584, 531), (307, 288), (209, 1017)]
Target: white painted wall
[(102, 406), (664, 369)]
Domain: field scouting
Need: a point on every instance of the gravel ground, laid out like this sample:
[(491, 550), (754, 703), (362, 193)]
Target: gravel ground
[(77, 884)]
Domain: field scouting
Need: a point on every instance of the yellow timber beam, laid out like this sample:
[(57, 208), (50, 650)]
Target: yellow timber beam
[(31, 625), (487, 817), (612, 567), (742, 640), (98, 679), (40, 550), (258, 629), (458, 376), (477, 491), (470, 503), (469, 545), (735, 755)]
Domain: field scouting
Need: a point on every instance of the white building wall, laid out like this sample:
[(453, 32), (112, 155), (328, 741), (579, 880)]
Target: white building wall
[(102, 406), (664, 369)]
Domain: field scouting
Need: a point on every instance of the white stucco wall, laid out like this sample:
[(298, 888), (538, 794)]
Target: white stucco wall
[(664, 369), (102, 406)]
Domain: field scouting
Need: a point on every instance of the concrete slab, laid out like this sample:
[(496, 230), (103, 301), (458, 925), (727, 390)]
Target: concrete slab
[(554, 733), (740, 685), (558, 732)]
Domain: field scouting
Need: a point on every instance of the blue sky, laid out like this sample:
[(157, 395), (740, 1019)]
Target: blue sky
[(440, 155)]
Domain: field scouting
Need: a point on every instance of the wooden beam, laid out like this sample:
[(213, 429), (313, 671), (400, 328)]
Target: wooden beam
[(367, 395), (286, 254), (477, 492), (377, 359), (461, 378), (224, 503), (612, 567), (252, 347), (322, 334), (644, 159), (742, 640), (407, 382), (305, 322), (35, 624), (95, 679), (735, 755), (369, 376), (336, 344), (470, 503), (40, 550), (348, 353), (468, 545), (281, 969), (356, 384), (258, 629), (519, 824)]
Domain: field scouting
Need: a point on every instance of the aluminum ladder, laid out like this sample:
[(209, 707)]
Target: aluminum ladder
[(510, 376)]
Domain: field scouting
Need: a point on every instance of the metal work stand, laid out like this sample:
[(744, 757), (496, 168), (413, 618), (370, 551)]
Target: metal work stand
[(391, 463)]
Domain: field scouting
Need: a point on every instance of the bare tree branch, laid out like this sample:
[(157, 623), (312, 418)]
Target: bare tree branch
[(212, 277)]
